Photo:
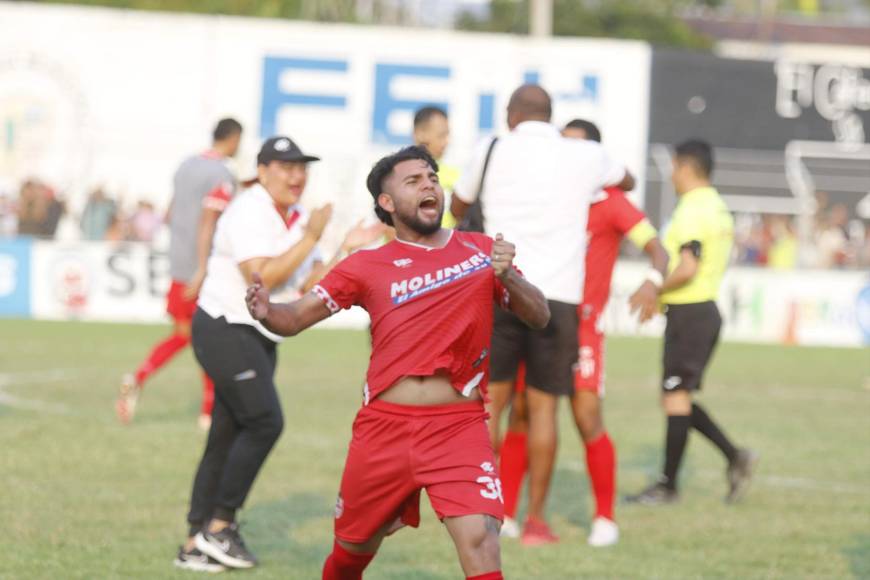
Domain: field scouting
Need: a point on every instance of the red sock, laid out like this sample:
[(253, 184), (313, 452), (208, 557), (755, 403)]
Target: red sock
[(207, 395), (160, 356), (344, 565), (488, 576), (601, 462), (513, 463)]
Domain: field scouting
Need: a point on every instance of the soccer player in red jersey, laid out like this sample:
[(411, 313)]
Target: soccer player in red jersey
[(203, 186), (430, 294), (611, 218)]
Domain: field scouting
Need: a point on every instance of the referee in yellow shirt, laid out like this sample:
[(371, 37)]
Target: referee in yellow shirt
[(698, 239), (432, 131)]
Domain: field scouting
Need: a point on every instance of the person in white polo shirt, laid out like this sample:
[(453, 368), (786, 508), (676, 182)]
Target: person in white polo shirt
[(264, 230), (535, 187)]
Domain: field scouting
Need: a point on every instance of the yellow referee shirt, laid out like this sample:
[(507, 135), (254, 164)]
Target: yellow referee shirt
[(701, 216)]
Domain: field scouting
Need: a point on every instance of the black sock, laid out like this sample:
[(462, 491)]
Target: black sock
[(675, 445), (705, 425)]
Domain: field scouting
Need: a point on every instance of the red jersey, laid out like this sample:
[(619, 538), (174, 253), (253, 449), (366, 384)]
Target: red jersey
[(611, 216), (431, 309)]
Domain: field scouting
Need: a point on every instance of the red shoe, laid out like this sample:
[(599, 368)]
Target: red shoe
[(538, 533)]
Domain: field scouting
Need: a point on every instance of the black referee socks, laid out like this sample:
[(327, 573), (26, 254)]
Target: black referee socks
[(675, 446), (705, 425)]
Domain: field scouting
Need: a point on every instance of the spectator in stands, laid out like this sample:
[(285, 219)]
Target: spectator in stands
[(783, 251), (98, 216), (39, 210), (54, 210), (32, 208), (145, 222), (832, 239)]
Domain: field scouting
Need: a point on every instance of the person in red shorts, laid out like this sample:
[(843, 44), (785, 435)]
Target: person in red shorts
[(203, 186), (612, 217), (430, 294)]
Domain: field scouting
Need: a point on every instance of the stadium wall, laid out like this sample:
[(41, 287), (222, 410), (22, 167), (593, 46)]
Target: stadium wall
[(93, 95), (127, 282)]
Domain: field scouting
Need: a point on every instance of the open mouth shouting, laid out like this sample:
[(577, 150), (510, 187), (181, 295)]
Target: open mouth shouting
[(430, 207)]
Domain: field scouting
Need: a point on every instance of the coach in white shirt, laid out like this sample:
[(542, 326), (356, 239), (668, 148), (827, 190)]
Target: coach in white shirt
[(535, 190), (265, 231)]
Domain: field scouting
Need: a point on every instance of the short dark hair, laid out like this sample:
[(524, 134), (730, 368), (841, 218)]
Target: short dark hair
[(422, 116), (591, 129), (699, 152), (226, 128), (383, 168)]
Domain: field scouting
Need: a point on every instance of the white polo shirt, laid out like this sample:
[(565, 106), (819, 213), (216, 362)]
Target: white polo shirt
[(252, 227), (536, 192)]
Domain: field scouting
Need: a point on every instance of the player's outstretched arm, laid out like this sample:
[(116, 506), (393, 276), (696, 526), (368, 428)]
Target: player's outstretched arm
[(526, 301), (645, 299), (283, 319)]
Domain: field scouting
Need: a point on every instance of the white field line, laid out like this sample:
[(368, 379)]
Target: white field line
[(29, 378), (776, 481)]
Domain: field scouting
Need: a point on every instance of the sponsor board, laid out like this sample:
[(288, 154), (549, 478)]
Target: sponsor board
[(99, 281), (803, 307), (128, 282), (15, 277)]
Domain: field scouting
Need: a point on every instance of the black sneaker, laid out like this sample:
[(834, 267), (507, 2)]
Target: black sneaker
[(226, 546), (197, 561), (739, 474), (656, 494)]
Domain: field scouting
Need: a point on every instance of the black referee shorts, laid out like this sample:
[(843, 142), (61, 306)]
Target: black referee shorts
[(691, 335), (550, 353)]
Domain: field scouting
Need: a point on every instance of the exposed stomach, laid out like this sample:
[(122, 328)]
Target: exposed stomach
[(426, 391)]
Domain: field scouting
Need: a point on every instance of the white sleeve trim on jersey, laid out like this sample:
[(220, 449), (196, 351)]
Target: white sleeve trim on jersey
[(321, 293)]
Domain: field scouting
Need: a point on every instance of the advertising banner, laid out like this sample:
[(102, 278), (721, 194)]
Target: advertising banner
[(128, 282), (15, 278), (99, 281), (80, 114), (806, 307)]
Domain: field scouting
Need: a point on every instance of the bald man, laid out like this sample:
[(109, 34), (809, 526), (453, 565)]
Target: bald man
[(536, 191)]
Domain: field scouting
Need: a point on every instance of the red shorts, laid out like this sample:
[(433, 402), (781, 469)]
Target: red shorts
[(176, 305), (397, 450), (589, 375)]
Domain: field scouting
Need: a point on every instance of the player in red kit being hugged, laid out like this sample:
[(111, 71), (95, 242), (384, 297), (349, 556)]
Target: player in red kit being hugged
[(612, 217), (430, 295)]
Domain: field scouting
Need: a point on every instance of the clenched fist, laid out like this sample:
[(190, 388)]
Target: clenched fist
[(503, 253), (257, 298)]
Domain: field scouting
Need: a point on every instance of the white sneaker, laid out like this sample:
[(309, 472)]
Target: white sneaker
[(510, 528), (604, 533), (125, 406)]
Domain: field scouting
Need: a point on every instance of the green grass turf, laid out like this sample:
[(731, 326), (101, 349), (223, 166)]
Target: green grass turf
[(83, 497)]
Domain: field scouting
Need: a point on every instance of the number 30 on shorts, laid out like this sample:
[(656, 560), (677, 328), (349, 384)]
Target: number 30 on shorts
[(491, 483)]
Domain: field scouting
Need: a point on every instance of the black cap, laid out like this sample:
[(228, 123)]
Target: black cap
[(280, 148)]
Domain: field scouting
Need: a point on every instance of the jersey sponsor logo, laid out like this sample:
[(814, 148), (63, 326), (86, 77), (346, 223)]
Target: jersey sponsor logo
[(411, 288), (403, 263), (672, 383)]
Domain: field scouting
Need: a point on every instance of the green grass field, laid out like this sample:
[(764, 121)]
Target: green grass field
[(83, 497)]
